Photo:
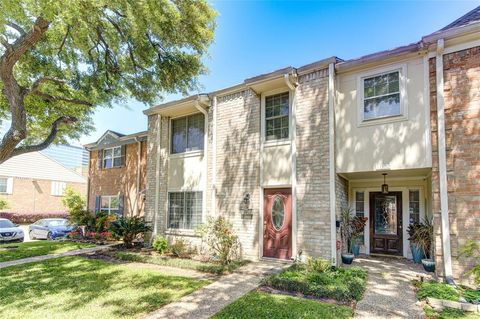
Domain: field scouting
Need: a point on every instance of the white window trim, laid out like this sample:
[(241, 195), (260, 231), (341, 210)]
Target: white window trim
[(109, 210), (283, 141), (403, 116), (183, 231), (170, 136), (113, 156), (9, 185), (57, 188)]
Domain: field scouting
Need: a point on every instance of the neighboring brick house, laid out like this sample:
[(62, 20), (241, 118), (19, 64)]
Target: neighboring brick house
[(117, 169), (33, 182), (281, 154)]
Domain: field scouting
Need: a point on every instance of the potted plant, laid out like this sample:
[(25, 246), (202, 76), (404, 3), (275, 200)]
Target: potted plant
[(346, 235), (417, 252), (424, 235), (357, 225)]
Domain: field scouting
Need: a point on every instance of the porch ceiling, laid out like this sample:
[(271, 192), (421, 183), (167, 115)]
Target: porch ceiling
[(403, 173)]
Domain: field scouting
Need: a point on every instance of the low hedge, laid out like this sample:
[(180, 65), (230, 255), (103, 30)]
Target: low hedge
[(342, 284), (31, 217)]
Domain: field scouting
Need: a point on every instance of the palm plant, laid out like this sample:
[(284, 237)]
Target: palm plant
[(128, 229)]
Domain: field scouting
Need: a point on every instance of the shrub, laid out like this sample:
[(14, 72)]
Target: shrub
[(160, 244), (222, 241), (437, 290), (129, 229), (29, 218), (180, 248), (317, 265), (3, 204), (343, 284), (472, 249)]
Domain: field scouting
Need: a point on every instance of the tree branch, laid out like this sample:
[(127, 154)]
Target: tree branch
[(52, 98), (49, 140), (17, 27), (64, 39), (40, 81)]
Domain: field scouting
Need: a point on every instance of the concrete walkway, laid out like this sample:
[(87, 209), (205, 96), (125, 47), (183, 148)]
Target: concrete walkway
[(207, 301), (389, 292), (51, 256)]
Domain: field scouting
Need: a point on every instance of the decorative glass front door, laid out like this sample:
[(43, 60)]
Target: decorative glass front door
[(277, 223), (386, 223)]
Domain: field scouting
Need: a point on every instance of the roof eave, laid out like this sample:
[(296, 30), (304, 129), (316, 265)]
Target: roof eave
[(451, 33)]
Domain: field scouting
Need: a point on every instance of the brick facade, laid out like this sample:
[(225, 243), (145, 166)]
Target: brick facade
[(462, 128), (34, 195), (120, 181)]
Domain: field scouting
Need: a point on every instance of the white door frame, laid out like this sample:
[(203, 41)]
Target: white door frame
[(405, 212)]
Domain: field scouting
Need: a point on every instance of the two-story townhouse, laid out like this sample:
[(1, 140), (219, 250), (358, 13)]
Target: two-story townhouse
[(394, 134), (117, 168)]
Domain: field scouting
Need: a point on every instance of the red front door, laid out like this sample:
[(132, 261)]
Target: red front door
[(277, 223)]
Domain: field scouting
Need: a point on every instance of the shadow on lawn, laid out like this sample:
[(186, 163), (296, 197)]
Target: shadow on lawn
[(77, 283)]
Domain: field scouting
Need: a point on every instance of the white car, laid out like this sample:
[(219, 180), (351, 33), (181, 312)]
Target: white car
[(9, 232)]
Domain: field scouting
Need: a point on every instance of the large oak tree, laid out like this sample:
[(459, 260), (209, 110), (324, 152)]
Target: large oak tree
[(60, 59)]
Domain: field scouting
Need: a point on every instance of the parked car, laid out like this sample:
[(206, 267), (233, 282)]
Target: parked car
[(10, 232), (50, 228)]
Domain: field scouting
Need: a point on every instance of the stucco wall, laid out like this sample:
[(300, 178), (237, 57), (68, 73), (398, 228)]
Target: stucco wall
[(277, 165), (394, 145), (186, 172), (121, 180)]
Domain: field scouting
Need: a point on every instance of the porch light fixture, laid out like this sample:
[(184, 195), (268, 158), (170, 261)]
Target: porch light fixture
[(384, 185)]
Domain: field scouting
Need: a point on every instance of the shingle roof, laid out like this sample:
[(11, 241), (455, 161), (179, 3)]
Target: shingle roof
[(471, 17)]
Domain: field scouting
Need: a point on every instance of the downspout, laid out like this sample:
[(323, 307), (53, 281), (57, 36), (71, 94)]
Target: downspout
[(442, 162), (137, 187), (214, 158), (157, 176), (205, 159), (331, 161), (293, 155)]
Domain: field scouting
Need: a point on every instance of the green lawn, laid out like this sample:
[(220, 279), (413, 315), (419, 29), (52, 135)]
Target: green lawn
[(208, 267), (257, 305), (76, 287), (449, 313), (37, 248)]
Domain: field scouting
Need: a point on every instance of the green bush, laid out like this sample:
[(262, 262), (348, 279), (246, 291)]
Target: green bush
[(128, 229), (180, 248), (343, 284), (160, 244), (221, 239), (437, 290), (76, 204), (472, 249), (3, 204), (318, 264)]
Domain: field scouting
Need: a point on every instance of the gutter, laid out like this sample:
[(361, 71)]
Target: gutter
[(331, 160)]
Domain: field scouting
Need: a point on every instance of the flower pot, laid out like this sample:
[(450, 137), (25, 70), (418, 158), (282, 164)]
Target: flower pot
[(417, 253), (428, 265), (355, 249), (347, 258)]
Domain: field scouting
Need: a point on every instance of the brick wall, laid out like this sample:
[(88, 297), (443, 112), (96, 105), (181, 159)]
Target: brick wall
[(30, 195), (120, 181), (313, 203), (462, 126)]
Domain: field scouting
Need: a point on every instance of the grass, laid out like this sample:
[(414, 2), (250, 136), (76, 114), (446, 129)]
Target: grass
[(449, 313), (342, 284), (37, 248), (208, 267), (260, 305), (440, 290), (76, 287)]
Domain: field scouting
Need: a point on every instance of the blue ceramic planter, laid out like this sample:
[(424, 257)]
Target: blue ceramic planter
[(356, 249), (347, 258), (417, 254), (428, 265)]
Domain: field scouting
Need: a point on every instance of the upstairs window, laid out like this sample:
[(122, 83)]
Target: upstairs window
[(188, 134), (112, 157), (58, 188), (277, 117), (381, 96)]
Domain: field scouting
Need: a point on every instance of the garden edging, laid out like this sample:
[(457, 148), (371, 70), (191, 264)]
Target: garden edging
[(440, 304)]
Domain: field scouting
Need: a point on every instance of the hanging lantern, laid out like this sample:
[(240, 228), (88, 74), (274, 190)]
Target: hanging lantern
[(384, 185)]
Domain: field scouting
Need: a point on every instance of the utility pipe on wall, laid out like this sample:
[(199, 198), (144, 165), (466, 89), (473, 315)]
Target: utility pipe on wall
[(442, 161), (331, 160)]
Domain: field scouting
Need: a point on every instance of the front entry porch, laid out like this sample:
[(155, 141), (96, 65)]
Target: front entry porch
[(390, 211)]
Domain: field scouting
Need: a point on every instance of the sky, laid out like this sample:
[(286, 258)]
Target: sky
[(256, 37)]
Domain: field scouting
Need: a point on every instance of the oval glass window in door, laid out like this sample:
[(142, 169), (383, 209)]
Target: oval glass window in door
[(278, 212)]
